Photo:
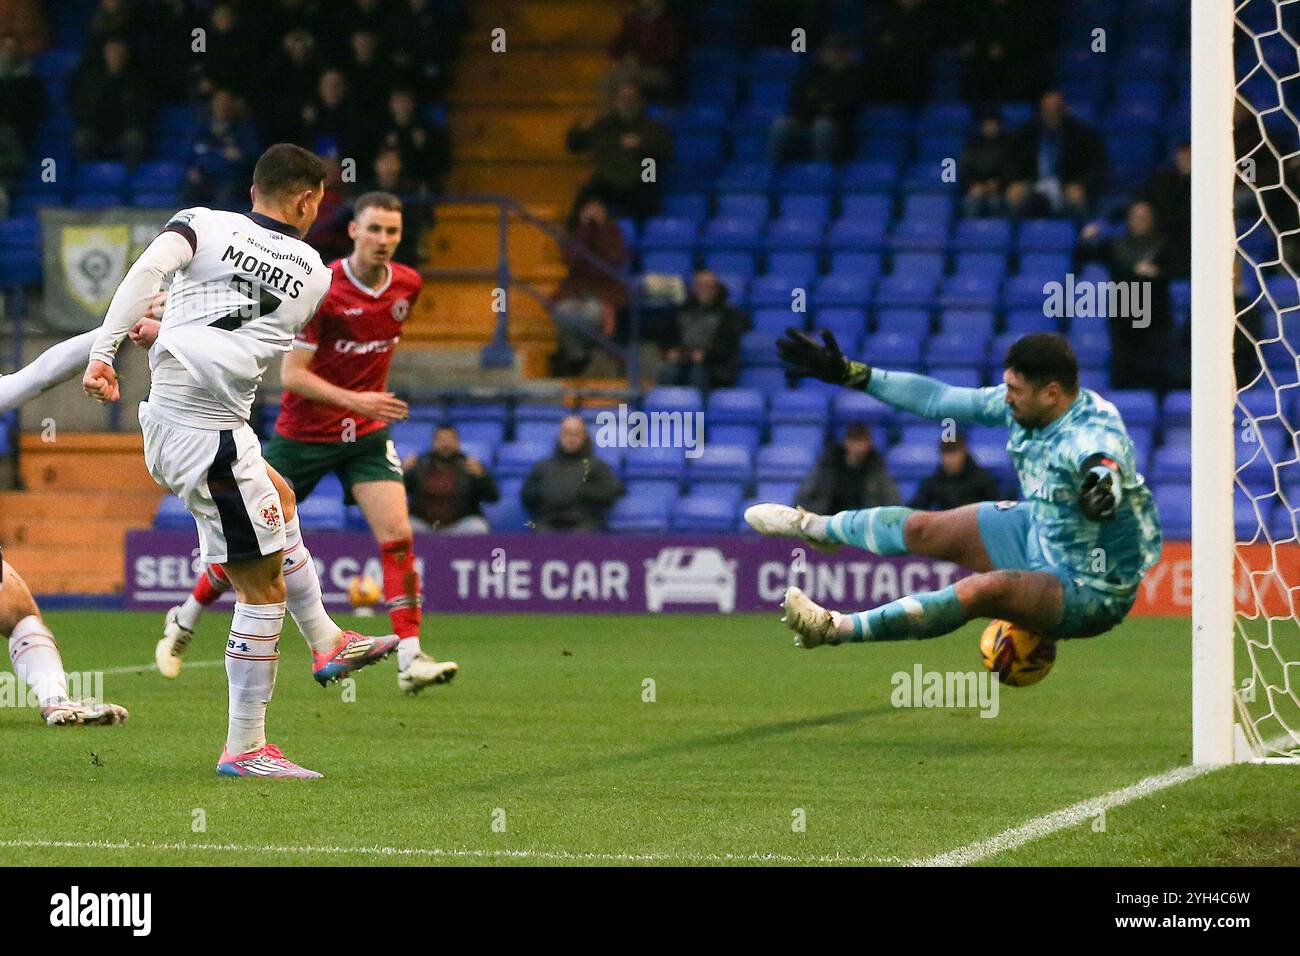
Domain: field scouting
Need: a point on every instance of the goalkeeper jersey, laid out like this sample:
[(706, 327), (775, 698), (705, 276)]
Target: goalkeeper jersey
[(1111, 555)]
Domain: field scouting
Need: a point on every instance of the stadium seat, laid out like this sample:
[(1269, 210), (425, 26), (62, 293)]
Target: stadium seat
[(800, 406), (672, 398), (412, 437), (853, 406), (705, 511), (1177, 410), (740, 435), (893, 350), (1136, 407), (856, 265), (721, 463), (793, 434), (905, 292), (321, 513), (508, 514), (868, 176), (956, 349), (969, 291), (661, 463), (172, 515), (793, 235), (736, 405), (833, 291), (903, 321), (784, 462), (913, 460), (849, 325), (516, 459), (800, 267), (1027, 321), (664, 233), (981, 235), (642, 510), (967, 322), (751, 206), (777, 491), (856, 233)]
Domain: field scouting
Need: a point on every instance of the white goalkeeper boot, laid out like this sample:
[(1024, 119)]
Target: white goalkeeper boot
[(812, 624), (782, 521), (424, 671), (176, 638), (62, 712)]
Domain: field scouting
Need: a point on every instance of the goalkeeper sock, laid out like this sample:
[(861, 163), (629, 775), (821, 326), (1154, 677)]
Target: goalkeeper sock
[(928, 614), (402, 595), (212, 583), (36, 661), (252, 656), (56, 364), (303, 594), (878, 530)]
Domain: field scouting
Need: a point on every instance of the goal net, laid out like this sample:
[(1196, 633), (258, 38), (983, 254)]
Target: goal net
[(1264, 657)]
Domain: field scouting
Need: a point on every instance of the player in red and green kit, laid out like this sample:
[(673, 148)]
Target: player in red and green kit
[(334, 418)]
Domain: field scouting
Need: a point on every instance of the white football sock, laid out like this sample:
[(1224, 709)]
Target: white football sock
[(408, 648), (252, 656), (303, 594), (189, 614), (36, 661), (814, 526), (52, 367)]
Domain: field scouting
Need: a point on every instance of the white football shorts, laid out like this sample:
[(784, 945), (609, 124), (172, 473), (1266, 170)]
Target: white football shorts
[(222, 480)]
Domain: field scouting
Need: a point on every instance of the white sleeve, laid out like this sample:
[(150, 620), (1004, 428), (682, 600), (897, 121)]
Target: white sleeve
[(168, 252)]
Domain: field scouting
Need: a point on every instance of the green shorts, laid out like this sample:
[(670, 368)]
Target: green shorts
[(372, 457)]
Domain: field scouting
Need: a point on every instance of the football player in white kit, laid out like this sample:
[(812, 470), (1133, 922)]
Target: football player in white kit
[(244, 285)]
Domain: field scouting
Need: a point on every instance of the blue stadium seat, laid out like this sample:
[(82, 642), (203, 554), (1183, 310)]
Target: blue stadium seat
[(490, 434), (329, 487), (903, 321), (800, 406), (859, 265), (981, 235), (1177, 410), (774, 291), (853, 406), (745, 177), (800, 267), (868, 176), (1136, 407), (1046, 235), (970, 291), (752, 206), (849, 325), (892, 350), (724, 232), (672, 398), (412, 437), (96, 200), (172, 516), (707, 510), (736, 434), (918, 265), (904, 292), (516, 459), (812, 206), (1045, 265), (784, 462), (1171, 463), (792, 235), (912, 459), (669, 233), (799, 434), (461, 412), (1027, 321), (777, 490), (642, 511), (1023, 292), (920, 235), (661, 463), (158, 175), (769, 380), (857, 233), (739, 265), (668, 262), (967, 321), (322, 513), (956, 350), (736, 406), (537, 432), (842, 292), (1091, 348), (991, 265), (693, 207), (100, 177), (868, 207), (808, 177), (721, 463)]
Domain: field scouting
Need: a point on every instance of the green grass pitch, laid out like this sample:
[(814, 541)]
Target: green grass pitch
[(544, 752)]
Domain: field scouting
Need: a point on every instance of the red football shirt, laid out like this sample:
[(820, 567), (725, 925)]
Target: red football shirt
[(352, 337)]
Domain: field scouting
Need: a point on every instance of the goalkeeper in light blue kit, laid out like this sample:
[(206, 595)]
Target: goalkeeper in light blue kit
[(1064, 562)]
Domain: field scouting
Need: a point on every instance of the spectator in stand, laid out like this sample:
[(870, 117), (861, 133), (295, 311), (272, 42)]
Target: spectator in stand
[(572, 490), (222, 155), (850, 475), (297, 72), (1062, 162), (986, 166), (900, 43), (959, 480), (110, 106), (424, 147), (587, 302), (329, 233), (230, 54), (1139, 344), (1004, 48), (389, 176), (619, 143), (112, 18), (421, 42), (369, 75), (823, 102), (448, 488), (22, 95), (330, 122), (705, 349), (1170, 195), (646, 50)]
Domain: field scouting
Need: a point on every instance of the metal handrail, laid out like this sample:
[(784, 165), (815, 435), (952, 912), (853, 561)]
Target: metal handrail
[(499, 353)]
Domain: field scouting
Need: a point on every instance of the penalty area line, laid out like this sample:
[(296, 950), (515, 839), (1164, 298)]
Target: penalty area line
[(565, 856), (153, 668)]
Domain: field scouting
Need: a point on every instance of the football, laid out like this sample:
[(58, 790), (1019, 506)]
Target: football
[(1016, 656), (364, 593)]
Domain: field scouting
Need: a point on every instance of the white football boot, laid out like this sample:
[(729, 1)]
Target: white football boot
[(812, 624), (424, 671), (63, 712), (782, 521), (175, 639)]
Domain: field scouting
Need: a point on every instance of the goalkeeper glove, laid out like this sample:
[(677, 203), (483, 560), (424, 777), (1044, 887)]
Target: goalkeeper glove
[(1097, 494), (806, 358)]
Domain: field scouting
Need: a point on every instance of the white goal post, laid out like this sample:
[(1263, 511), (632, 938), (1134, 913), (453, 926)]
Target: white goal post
[(1245, 543)]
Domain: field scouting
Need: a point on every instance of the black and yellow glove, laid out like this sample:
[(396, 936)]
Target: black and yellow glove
[(805, 357)]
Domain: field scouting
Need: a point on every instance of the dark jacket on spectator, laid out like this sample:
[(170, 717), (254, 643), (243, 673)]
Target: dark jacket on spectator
[(605, 241), (619, 167), (1081, 155), (571, 492), (443, 491), (833, 486), (941, 491), (720, 325), (826, 92), (984, 159)]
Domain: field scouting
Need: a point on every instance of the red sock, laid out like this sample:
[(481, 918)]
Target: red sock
[(211, 584), (401, 587)]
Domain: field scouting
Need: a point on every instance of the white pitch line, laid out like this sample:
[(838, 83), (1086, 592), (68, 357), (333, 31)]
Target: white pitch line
[(153, 667), (567, 856), (1060, 819)]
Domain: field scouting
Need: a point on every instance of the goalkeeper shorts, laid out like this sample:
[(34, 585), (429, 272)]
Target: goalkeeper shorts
[(1012, 544)]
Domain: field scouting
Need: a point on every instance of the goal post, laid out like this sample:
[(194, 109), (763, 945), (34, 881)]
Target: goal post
[(1213, 382), (1245, 406)]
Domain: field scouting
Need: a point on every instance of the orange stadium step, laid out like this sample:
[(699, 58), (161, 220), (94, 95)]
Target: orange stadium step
[(461, 310), (574, 23), (468, 237), (83, 461), (511, 133), (527, 75), (554, 183)]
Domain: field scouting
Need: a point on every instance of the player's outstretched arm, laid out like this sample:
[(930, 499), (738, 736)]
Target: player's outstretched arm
[(805, 357), (297, 377), (134, 296)]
